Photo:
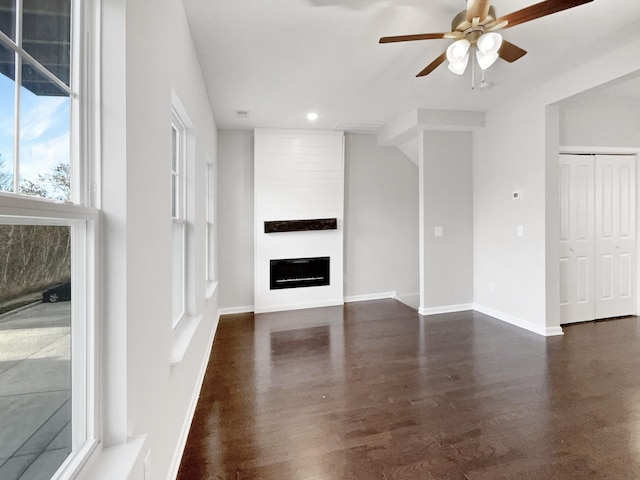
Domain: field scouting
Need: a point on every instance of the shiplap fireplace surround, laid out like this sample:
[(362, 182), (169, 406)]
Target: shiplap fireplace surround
[(299, 182)]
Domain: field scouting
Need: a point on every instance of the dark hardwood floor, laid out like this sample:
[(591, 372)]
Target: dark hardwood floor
[(373, 391)]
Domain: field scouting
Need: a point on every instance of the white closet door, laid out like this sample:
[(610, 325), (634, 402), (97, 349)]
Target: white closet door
[(577, 249), (597, 237), (615, 229)]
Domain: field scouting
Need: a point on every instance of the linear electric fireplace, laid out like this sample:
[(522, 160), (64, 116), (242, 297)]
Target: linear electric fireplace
[(299, 272)]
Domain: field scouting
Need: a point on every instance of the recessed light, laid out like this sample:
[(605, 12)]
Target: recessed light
[(312, 116)]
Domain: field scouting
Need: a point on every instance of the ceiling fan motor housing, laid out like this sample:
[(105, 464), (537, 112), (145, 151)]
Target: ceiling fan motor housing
[(460, 24)]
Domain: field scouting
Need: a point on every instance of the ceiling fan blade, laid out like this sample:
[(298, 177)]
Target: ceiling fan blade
[(410, 38), (433, 65), (495, 25), (477, 9), (538, 10), (510, 52)]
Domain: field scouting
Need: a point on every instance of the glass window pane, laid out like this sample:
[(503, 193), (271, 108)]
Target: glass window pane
[(210, 232), (209, 184), (174, 149), (7, 118), (211, 267), (174, 196), (35, 350), (46, 34), (44, 137), (178, 271), (8, 18)]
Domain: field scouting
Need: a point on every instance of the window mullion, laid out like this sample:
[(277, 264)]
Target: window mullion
[(16, 101), (16, 122), (78, 183), (19, 10)]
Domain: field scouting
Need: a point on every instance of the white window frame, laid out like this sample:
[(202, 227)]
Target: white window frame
[(179, 219), (84, 224), (77, 77), (185, 328), (80, 214)]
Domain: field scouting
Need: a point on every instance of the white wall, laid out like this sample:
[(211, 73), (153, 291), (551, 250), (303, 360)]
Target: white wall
[(235, 215), (381, 219), (447, 205), (517, 151), (147, 51), (596, 120), (509, 155), (380, 191)]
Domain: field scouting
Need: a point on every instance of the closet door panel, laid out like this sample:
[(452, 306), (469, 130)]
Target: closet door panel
[(615, 236), (576, 238)]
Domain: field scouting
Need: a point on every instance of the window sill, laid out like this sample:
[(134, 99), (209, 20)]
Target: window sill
[(182, 336), (117, 461), (211, 289)]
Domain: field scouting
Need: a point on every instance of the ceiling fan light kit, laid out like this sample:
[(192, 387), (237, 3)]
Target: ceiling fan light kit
[(458, 55), (488, 49), (458, 67), (474, 30), (485, 61)]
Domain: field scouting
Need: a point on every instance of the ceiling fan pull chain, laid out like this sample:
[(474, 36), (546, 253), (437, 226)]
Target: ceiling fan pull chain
[(473, 69)]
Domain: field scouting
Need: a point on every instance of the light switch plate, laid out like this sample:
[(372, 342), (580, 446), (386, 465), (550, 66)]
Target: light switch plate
[(438, 231)]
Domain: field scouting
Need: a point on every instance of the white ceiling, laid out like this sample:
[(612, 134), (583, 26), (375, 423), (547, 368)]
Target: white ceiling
[(629, 89), (280, 59)]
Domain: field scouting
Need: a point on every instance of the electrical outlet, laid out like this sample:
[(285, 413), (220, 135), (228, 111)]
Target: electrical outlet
[(492, 287)]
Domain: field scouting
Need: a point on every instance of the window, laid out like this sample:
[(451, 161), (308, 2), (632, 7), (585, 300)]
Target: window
[(178, 214), (47, 241), (210, 226), (185, 317), (36, 90)]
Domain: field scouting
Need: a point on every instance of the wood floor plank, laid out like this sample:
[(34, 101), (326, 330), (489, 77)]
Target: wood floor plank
[(373, 391)]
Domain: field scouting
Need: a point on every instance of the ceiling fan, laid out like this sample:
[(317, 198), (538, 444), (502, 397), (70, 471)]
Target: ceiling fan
[(475, 29)]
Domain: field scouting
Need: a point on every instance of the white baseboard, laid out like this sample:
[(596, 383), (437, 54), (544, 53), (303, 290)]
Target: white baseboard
[(349, 299), (463, 307), (370, 296), (234, 310), (553, 331), (298, 306), (186, 426), (410, 300), (519, 322)]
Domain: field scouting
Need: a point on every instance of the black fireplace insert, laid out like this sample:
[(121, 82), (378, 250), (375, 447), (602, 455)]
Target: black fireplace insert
[(299, 272)]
